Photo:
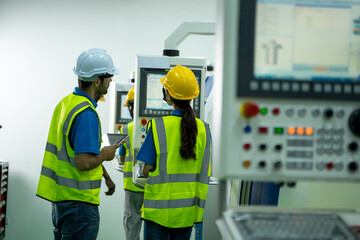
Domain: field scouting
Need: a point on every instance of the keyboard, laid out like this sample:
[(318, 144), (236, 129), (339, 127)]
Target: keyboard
[(291, 226)]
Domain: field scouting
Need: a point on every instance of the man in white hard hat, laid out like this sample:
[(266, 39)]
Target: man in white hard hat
[(72, 167)]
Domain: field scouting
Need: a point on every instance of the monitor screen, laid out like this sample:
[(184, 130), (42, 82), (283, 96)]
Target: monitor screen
[(122, 113), (297, 48), (154, 100), (151, 102)]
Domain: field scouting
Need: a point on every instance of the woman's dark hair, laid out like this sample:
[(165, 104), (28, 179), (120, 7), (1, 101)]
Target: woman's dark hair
[(188, 129)]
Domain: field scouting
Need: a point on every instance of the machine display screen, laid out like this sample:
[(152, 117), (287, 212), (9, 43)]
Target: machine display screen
[(151, 102), (122, 113), (154, 100), (299, 47)]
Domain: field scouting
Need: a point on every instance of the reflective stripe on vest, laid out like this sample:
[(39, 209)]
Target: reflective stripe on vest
[(68, 182)]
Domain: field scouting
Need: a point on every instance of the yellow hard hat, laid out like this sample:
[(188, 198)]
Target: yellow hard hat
[(130, 96), (181, 83)]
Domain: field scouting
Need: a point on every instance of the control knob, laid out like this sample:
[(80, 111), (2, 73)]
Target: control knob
[(353, 166), (328, 113), (354, 122)]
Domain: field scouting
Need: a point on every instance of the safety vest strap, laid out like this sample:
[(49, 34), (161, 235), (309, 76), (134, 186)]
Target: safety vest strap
[(175, 203), (172, 178), (62, 155), (128, 174), (68, 182)]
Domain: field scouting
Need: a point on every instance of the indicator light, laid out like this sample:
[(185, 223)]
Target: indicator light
[(246, 163), (309, 131), (300, 131), (247, 146), (263, 129), (291, 130), (263, 111), (276, 111), (278, 130), (247, 129)]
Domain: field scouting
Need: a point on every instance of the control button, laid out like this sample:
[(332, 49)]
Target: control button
[(301, 112), (354, 122), (353, 166), (320, 165), (262, 164), (247, 129), (328, 113), (300, 131), (289, 112), (277, 164), (315, 112), (142, 136), (339, 166), (263, 130), (246, 163), (262, 146), (278, 130), (340, 113), (263, 111), (276, 111), (329, 165), (247, 146), (278, 147), (143, 121), (353, 146), (249, 110), (143, 129), (309, 131), (291, 130)]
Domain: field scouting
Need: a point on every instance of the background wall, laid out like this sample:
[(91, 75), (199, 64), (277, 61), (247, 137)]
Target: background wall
[(39, 43)]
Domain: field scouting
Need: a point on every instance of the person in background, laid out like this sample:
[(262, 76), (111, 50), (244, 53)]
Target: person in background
[(134, 196), (177, 156), (72, 167)]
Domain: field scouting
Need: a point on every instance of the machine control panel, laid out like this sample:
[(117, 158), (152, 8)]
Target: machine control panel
[(292, 139)]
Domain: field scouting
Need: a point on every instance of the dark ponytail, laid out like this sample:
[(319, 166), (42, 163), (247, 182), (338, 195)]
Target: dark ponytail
[(188, 129)]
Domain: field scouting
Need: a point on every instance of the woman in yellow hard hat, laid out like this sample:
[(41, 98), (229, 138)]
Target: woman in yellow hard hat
[(177, 154)]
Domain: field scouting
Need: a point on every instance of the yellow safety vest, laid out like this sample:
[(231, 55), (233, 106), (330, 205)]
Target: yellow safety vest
[(129, 157), (175, 193), (60, 179)]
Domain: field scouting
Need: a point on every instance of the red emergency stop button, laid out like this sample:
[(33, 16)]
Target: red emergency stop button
[(143, 121), (249, 109)]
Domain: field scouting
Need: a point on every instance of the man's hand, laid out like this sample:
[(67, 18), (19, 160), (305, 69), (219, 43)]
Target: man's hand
[(108, 153), (111, 187)]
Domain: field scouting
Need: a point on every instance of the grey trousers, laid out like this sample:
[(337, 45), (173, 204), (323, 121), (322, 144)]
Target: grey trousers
[(132, 214)]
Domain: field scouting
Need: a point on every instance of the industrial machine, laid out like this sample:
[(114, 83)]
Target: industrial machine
[(149, 101), (287, 89)]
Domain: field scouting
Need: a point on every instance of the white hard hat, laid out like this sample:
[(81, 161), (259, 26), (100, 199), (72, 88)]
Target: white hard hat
[(93, 63)]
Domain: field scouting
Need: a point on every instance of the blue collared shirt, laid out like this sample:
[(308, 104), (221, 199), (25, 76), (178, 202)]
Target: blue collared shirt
[(147, 152), (84, 133)]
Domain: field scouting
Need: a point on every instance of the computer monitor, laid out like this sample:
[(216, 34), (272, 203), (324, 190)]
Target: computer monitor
[(299, 49), (151, 101), (122, 112)]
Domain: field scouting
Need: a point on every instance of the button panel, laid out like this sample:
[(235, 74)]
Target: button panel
[(299, 139)]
